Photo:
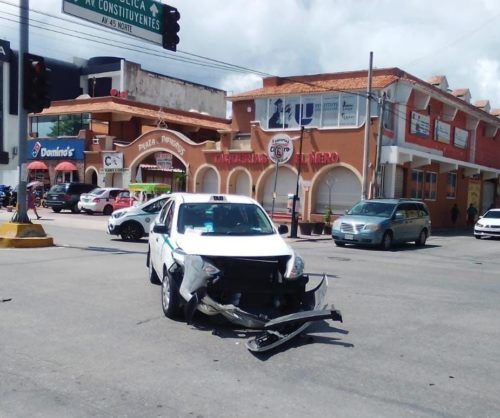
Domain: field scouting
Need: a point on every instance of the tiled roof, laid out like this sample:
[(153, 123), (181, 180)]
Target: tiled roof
[(128, 107), (307, 84), (481, 103), (436, 79), (460, 92)]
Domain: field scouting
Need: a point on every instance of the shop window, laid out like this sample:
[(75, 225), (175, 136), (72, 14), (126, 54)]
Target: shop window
[(62, 125), (430, 186), (417, 184), (388, 118), (451, 186)]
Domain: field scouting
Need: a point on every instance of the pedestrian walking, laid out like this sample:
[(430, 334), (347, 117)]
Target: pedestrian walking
[(471, 215), (31, 201), (455, 212)]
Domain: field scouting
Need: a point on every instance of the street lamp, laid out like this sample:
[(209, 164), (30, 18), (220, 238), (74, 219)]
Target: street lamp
[(294, 225)]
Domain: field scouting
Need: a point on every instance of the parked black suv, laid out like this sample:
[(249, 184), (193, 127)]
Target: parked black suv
[(66, 196)]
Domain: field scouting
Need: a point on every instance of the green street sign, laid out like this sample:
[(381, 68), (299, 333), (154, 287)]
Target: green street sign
[(140, 18)]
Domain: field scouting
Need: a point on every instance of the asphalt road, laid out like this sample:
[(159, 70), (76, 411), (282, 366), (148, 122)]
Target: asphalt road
[(82, 334)]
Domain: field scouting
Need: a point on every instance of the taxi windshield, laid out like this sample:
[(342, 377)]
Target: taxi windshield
[(223, 219)]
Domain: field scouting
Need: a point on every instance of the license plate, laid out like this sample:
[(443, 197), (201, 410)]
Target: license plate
[(348, 236)]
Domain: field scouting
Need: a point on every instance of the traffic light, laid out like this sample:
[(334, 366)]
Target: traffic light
[(36, 87), (171, 28)]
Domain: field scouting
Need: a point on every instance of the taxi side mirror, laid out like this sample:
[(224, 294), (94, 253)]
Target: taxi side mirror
[(160, 229)]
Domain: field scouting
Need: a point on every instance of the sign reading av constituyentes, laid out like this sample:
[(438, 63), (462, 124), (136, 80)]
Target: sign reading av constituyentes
[(139, 18)]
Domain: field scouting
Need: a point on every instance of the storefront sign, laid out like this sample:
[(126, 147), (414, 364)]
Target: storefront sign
[(420, 125), (163, 160), (163, 140), (322, 158), (56, 149), (241, 158), (280, 149), (112, 162), (315, 158), (4, 51), (460, 139), (442, 133)]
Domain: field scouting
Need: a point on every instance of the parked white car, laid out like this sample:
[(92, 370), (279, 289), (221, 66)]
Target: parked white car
[(221, 254), (100, 199), (132, 223), (488, 225)]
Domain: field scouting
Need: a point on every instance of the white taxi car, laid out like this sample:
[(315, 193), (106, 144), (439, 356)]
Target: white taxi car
[(221, 254), (133, 223), (100, 199)]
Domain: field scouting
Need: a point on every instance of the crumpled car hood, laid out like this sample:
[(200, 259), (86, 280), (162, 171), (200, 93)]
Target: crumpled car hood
[(234, 246)]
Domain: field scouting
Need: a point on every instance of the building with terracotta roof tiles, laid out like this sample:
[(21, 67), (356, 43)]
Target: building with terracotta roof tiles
[(434, 145)]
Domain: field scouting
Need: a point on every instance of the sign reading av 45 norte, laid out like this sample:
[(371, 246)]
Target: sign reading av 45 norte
[(141, 18)]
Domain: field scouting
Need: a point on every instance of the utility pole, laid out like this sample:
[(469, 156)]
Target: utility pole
[(366, 144), (21, 216), (294, 225), (378, 171)]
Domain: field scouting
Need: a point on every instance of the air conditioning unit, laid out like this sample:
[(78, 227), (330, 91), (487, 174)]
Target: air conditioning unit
[(95, 141)]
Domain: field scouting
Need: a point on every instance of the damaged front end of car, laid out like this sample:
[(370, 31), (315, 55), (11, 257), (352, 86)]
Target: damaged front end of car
[(267, 293)]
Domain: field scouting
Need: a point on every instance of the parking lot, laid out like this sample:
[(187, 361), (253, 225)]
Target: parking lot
[(83, 334)]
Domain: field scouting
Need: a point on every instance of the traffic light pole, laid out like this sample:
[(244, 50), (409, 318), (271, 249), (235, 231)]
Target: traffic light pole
[(21, 215)]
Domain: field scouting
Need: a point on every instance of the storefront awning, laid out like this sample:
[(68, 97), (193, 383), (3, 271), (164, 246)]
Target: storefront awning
[(417, 158), (66, 166), (37, 165)]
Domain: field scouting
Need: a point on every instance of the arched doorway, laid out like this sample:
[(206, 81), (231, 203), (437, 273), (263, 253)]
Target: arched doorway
[(91, 176), (337, 188), (159, 166), (286, 181), (207, 180), (240, 182)]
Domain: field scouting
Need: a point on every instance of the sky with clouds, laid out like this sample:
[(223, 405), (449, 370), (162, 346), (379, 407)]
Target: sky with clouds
[(456, 38)]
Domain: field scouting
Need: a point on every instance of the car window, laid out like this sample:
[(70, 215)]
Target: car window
[(169, 217), (495, 214), (163, 213), (98, 191), (365, 208), (223, 219), (422, 210), (411, 210), (114, 193), (154, 207), (58, 188)]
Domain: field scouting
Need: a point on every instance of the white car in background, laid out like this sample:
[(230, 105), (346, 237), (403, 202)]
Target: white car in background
[(133, 223), (222, 255), (488, 225), (100, 200)]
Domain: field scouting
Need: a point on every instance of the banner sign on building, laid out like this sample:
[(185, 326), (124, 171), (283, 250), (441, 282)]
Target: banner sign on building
[(280, 149), (112, 162), (4, 51), (442, 133), (461, 137), (420, 125), (163, 160), (56, 149)]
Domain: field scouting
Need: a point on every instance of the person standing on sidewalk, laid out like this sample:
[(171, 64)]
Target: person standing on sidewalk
[(31, 201), (471, 215)]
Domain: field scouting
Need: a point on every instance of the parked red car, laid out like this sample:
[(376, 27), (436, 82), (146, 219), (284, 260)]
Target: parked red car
[(124, 199)]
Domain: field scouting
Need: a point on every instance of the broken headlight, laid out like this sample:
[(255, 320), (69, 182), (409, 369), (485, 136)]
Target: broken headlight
[(295, 267)]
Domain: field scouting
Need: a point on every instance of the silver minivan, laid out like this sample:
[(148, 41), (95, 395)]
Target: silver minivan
[(383, 222)]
